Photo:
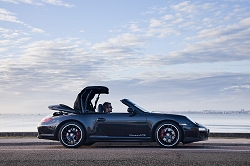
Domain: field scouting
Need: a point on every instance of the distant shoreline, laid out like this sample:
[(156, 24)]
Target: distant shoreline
[(212, 112)]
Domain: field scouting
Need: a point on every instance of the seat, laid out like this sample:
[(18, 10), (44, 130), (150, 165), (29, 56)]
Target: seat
[(100, 108)]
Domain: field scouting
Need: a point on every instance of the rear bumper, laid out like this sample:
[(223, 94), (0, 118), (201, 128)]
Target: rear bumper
[(46, 132), (46, 136)]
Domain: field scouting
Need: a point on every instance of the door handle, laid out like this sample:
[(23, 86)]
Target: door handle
[(101, 119)]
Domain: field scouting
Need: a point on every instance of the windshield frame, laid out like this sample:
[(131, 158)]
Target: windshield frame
[(135, 106)]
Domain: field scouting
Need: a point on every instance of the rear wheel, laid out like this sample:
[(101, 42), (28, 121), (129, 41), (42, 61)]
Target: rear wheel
[(72, 135), (168, 134)]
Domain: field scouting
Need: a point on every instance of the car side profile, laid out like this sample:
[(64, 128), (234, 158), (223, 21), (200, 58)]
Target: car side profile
[(87, 123)]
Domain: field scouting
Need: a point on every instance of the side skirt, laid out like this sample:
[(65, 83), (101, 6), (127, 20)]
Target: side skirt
[(119, 139)]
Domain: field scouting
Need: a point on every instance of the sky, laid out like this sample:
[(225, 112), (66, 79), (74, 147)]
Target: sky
[(164, 55)]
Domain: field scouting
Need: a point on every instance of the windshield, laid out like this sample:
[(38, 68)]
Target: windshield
[(141, 108), (129, 103)]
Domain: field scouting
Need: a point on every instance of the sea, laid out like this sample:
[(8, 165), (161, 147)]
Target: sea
[(215, 122)]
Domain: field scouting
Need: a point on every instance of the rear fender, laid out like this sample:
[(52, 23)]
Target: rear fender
[(66, 121)]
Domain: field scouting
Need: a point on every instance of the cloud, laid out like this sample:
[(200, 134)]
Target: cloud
[(58, 3), (12, 40), (40, 2), (8, 16), (214, 37), (168, 17), (5, 15), (155, 23), (237, 87), (185, 7), (122, 44), (134, 27), (10, 1), (220, 32), (45, 64), (219, 44), (37, 30), (245, 22)]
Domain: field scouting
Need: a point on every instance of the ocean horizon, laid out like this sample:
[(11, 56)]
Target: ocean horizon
[(215, 122)]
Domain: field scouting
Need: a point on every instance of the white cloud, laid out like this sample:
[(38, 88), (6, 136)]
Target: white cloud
[(12, 40), (10, 1), (8, 16), (185, 7), (168, 17), (57, 3), (122, 44), (37, 30), (45, 64), (155, 23), (127, 39), (162, 32), (237, 87), (3, 49), (5, 15), (40, 2), (4, 30), (178, 21), (228, 30), (245, 22), (5, 42), (134, 28)]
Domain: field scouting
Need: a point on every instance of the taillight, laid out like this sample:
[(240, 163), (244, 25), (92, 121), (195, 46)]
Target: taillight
[(46, 119)]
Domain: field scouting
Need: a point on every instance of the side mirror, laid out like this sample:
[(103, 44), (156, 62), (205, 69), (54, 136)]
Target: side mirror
[(130, 110)]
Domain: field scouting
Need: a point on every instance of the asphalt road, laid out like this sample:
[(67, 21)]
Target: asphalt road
[(216, 152)]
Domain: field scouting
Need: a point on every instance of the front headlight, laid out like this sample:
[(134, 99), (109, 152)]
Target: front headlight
[(202, 129)]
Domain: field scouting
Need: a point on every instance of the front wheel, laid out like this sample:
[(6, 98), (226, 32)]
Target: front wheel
[(72, 135), (168, 134)]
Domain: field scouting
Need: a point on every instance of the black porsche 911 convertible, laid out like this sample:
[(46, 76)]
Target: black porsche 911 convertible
[(86, 124)]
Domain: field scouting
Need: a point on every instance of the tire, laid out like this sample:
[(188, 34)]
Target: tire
[(72, 135), (168, 134)]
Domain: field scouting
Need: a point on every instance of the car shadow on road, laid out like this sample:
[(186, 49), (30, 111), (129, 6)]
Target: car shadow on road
[(110, 146)]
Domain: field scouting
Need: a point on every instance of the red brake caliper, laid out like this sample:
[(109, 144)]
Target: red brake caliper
[(78, 135), (162, 133)]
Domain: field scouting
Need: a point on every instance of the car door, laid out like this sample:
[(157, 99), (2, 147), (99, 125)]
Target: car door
[(122, 125)]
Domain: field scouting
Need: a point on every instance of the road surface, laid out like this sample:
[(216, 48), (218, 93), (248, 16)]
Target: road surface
[(219, 152)]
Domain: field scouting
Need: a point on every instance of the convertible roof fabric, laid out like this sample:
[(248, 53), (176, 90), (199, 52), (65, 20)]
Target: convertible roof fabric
[(83, 99)]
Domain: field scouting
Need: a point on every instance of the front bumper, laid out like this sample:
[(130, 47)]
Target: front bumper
[(196, 134)]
